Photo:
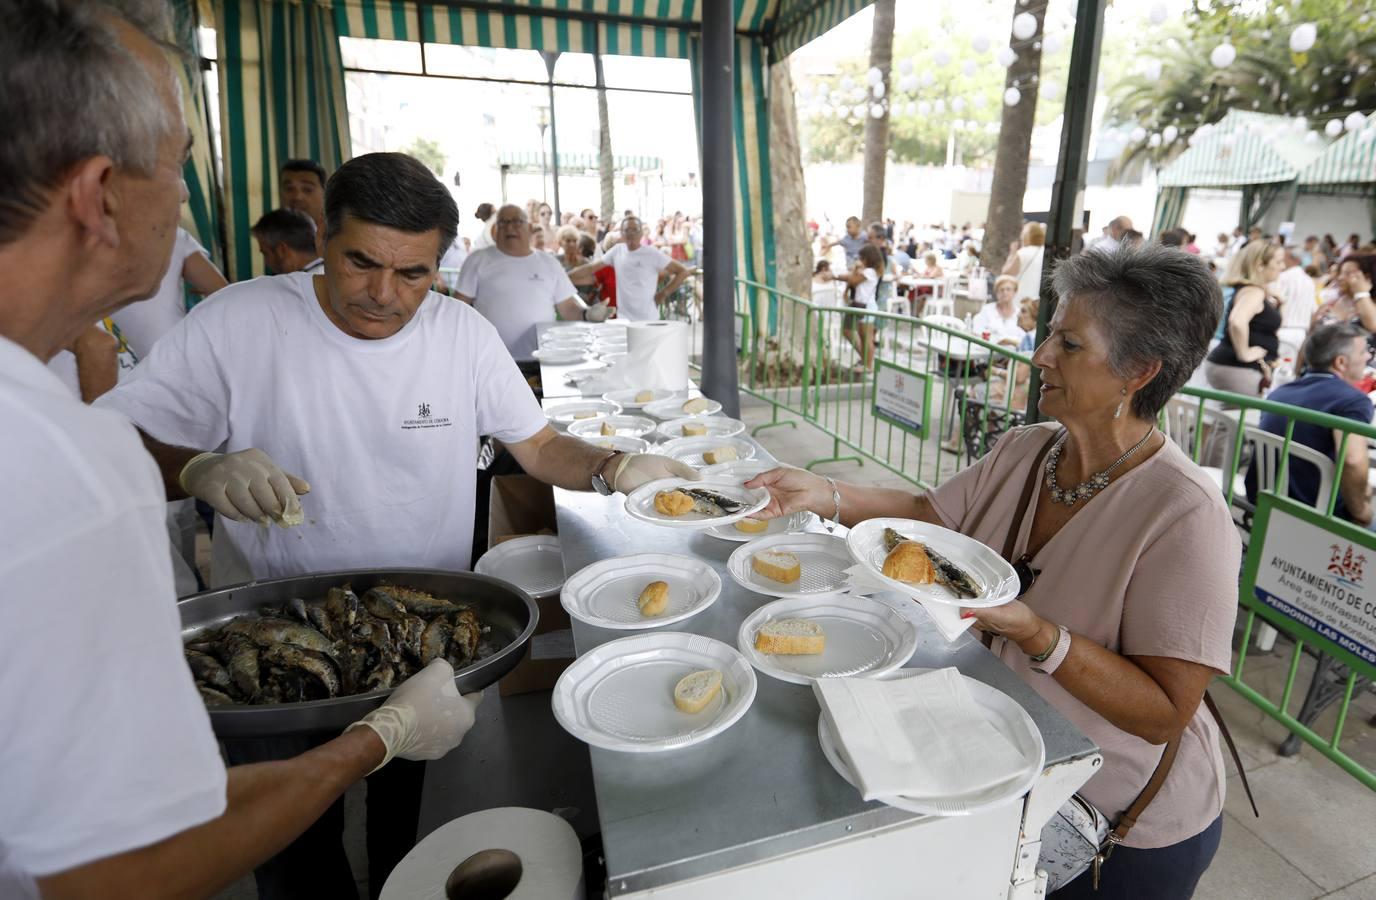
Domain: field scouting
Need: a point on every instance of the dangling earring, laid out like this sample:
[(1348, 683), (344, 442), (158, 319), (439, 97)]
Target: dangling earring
[(1117, 413)]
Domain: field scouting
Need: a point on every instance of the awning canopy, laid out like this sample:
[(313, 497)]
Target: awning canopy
[(1347, 166), (1244, 148)]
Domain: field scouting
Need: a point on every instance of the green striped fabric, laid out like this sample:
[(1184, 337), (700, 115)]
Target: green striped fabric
[(1244, 148), (801, 21), (200, 216), (1347, 161), (1170, 209), (281, 96)]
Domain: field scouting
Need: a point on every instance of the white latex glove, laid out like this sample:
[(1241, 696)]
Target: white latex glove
[(598, 312), (425, 717), (635, 469), (246, 486)]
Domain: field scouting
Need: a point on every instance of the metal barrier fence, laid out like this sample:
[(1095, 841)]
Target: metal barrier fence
[(810, 360)]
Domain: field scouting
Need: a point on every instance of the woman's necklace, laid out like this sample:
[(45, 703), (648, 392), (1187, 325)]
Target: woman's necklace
[(1085, 489)]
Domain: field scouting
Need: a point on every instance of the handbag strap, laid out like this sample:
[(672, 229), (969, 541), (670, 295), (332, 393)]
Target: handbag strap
[(1232, 748), (1028, 488)]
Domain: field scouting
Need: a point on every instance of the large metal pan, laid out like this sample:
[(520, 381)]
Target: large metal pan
[(504, 608)]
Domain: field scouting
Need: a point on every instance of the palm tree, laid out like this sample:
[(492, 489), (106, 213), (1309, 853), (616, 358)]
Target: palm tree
[(877, 128), (792, 247), (605, 173), (1004, 219)]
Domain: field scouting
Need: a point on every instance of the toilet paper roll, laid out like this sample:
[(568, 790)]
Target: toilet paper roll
[(551, 860), (657, 355)]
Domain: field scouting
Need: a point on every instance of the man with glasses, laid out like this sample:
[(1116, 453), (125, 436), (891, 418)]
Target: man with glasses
[(1337, 356)]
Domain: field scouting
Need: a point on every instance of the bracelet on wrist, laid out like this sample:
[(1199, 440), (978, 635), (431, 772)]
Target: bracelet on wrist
[(1050, 648), (836, 502)]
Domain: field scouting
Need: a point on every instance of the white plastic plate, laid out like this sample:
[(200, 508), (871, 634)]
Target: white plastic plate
[(611, 359), (640, 503), (622, 442), (739, 471), (605, 593), (822, 558), (534, 564), (717, 426), (673, 408), (620, 695), (631, 426), (582, 330), (797, 522), (560, 356), (565, 414), (690, 449), (626, 398), (863, 637), (1003, 713), (996, 579)]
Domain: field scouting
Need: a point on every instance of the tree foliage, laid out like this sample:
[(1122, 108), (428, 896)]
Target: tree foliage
[(428, 152)]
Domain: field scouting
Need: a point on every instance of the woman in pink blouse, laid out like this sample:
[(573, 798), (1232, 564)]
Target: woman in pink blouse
[(1128, 555)]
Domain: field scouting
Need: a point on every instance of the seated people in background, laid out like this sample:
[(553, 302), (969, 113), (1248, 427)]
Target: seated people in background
[(998, 321), (1352, 301), (1298, 300), (1027, 321), (302, 186), (286, 238), (1337, 356), (930, 268), (969, 257), (515, 288), (143, 323)]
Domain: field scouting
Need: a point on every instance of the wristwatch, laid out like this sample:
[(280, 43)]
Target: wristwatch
[(1048, 664), (599, 480)]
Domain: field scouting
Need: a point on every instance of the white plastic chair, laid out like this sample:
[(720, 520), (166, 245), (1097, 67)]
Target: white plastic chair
[(1179, 419)]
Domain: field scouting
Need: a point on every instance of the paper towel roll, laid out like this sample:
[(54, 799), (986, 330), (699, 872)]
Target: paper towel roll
[(657, 355), (544, 846)]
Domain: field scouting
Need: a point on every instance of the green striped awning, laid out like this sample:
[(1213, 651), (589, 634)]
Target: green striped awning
[(572, 162), (800, 22), (1243, 148), (1349, 160)]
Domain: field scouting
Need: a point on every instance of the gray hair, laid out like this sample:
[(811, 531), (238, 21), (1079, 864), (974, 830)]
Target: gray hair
[(1328, 342), (67, 56), (1154, 303)]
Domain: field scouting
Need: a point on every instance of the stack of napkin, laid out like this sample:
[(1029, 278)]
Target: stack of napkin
[(944, 615), (916, 737)]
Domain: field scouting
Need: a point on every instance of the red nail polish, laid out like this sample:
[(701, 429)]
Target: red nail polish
[(967, 614)]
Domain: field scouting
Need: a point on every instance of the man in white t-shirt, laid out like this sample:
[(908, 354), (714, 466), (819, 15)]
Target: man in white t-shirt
[(111, 780), (1298, 302), (376, 389), (516, 288), (143, 323), (638, 270), (286, 238)]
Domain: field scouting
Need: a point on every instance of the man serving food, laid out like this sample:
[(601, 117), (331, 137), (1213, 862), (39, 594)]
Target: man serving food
[(358, 386)]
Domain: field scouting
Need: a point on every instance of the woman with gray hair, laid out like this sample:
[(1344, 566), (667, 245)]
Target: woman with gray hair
[(1127, 554)]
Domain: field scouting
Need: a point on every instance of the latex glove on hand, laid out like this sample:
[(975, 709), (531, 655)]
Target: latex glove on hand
[(246, 486), (425, 717), (634, 469), (598, 312)]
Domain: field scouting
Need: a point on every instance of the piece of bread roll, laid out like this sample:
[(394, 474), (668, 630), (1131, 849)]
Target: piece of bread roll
[(720, 455), (695, 406), (673, 503), (644, 396), (781, 567), (607, 430), (752, 526), (910, 563), (790, 637), (694, 429), (654, 600), (585, 414), (694, 691)]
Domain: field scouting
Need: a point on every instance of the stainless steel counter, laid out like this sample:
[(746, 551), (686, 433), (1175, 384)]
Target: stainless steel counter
[(762, 788)]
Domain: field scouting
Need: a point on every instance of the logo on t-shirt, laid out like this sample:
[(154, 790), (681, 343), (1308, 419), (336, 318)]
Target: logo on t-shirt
[(425, 418)]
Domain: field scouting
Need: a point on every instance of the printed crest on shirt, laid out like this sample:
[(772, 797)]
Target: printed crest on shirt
[(425, 418)]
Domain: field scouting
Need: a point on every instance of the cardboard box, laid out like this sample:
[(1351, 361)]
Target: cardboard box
[(521, 505)]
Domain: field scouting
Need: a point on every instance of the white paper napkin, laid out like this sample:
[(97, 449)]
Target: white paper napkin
[(944, 615), (918, 737)]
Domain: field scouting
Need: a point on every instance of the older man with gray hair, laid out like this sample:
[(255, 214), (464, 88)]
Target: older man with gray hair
[(112, 781), (638, 271)]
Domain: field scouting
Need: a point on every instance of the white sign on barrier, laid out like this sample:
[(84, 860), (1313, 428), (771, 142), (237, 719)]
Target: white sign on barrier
[(901, 396)]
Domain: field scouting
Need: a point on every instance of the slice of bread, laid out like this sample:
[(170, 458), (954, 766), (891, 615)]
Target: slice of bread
[(644, 396), (695, 406), (654, 600), (752, 526), (694, 429), (790, 637), (910, 563), (781, 567), (607, 429), (720, 455), (585, 414), (697, 689)]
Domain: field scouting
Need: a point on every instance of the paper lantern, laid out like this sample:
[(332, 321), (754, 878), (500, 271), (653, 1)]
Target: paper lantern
[(1312, 137), (1051, 44), (927, 79), (1154, 141), (877, 89), (877, 111), (1299, 123), (1333, 128), (1169, 134), (1137, 135), (908, 84), (1011, 97), (1223, 55), (1006, 57), (1157, 14), (823, 90), (1303, 37), (847, 83), (1024, 26), (909, 108), (969, 68), (905, 66), (958, 104), (1151, 70), (980, 101), (874, 76), (859, 110), (941, 56), (980, 43), (924, 108), (939, 107), (1354, 121)]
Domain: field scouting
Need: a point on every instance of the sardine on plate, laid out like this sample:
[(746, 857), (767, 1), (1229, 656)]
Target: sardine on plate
[(710, 503), (948, 574)]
